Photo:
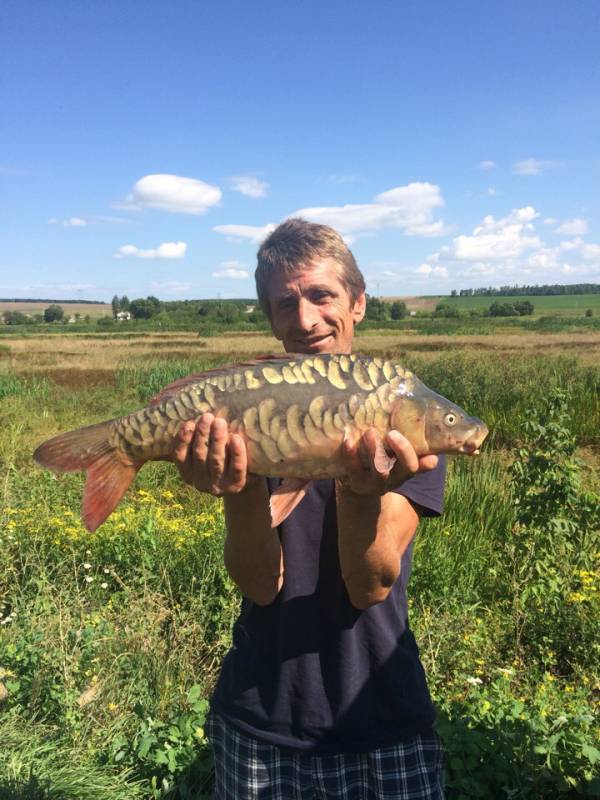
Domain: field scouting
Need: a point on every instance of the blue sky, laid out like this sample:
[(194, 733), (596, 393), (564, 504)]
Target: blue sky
[(146, 147)]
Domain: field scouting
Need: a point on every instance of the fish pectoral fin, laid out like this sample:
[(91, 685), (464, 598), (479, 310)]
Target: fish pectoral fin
[(286, 497), (382, 461)]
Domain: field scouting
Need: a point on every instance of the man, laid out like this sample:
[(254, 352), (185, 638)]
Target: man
[(322, 694)]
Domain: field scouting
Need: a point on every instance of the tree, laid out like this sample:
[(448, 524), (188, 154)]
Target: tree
[(398, 310), (376, 309), (116, 306), (124, 303), (144, 308), (54, 313), (446, 310), (589, 312), (524, 308), (16, 318), (502, 310)]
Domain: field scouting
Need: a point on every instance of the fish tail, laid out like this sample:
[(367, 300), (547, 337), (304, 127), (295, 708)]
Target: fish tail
[(109, 475)]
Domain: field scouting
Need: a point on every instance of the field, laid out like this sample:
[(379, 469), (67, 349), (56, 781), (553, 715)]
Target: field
[(110, 642), (25, 307), (562, 305)]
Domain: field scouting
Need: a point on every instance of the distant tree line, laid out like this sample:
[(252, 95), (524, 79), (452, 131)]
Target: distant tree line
[(50, 300), (218, 311), (54, 313), (544, 290), (520, 308)]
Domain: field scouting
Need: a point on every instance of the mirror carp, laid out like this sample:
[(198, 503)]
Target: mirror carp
[(293, 412)]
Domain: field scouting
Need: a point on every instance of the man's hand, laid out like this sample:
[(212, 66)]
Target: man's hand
[(210, 458), (360, 459)]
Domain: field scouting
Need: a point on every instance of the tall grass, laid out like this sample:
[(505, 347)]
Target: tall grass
[(149, 379), (34, 389), (504, 391)]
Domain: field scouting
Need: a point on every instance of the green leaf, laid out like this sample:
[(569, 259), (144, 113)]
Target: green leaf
[(591, 753)]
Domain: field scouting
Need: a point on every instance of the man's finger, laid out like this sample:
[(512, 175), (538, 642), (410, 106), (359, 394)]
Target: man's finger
[(237, 462), (202, 438), (404, 451), (183, 441), (216, 451), (427, 463)]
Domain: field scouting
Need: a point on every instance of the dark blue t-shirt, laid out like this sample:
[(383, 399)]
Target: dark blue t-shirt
[(310, 671)]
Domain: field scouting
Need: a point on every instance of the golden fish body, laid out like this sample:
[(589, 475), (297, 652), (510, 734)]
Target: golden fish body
[(293, 412)]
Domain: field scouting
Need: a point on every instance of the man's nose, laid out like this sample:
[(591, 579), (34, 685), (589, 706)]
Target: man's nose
[(307, 315)]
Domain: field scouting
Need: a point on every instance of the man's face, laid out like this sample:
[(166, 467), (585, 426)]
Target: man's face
[(311, 311)]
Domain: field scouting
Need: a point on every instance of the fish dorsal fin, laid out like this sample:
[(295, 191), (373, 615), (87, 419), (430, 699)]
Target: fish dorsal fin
[(181, 383)]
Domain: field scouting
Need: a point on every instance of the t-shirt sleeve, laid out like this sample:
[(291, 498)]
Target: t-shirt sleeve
[(426, 489)]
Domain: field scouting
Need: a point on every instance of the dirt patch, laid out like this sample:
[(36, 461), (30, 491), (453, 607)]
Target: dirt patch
[(416, 303), (79, 378)]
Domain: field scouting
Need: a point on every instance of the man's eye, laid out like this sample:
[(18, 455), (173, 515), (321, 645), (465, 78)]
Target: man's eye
[(286, 304)]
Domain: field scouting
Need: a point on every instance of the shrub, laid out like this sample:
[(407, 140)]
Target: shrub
[(446, 311), (54, 313)]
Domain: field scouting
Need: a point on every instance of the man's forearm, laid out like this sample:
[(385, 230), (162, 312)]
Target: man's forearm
[(253, 555), (373, 533)]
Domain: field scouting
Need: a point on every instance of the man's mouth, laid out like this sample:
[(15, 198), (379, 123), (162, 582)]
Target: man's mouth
[(315, 342)]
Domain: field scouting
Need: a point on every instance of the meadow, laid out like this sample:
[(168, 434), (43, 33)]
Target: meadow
[(110, 642), (561, 305)]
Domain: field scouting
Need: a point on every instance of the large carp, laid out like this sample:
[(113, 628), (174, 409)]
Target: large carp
[(293, 412)]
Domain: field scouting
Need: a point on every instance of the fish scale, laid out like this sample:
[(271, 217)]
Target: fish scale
[(293, 413)]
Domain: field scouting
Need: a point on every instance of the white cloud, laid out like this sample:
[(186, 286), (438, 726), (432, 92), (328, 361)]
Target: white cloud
[(166, 250), (71, 222), (249, 185), (90, 219), (491, 192), (573, 227), (254, 233), (233, 270), (507, 251), (409, 208), (532, 166), (173, 193), (486, 165), (591, 252), (550, 221), (505, 238), (427, 270)]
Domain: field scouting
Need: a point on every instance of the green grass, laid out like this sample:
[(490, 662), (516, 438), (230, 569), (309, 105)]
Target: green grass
[(111, 637), (561, 305)]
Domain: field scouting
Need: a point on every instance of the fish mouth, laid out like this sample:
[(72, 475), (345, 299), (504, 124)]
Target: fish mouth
[(471, 445)]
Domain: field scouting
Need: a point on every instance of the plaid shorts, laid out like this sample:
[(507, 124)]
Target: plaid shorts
[(248, 769)]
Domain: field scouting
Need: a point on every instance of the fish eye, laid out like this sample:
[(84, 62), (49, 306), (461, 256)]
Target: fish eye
[(450, 419)]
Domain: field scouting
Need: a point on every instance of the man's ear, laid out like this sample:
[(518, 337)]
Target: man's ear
[(359, 308)]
